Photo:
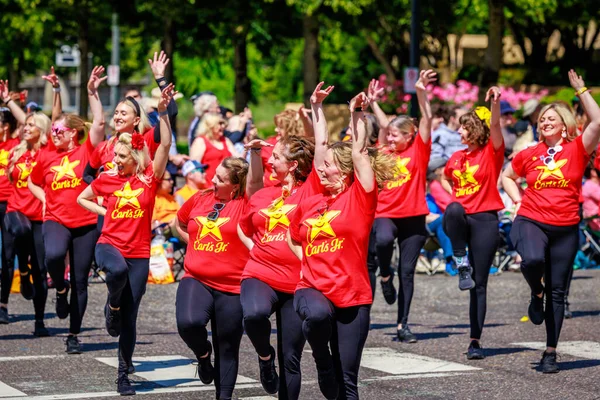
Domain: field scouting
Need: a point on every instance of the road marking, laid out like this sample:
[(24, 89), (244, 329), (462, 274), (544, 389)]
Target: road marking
[(168, 371), (26, 358), (9, 391), (581, 349), (396, 363)]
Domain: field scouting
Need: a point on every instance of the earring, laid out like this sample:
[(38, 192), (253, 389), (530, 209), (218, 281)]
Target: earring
[(564, 134)]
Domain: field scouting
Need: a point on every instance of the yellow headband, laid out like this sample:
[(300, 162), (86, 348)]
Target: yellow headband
[(484, 114)]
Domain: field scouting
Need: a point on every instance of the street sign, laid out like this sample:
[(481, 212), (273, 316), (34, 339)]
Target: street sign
[(113, 73), (411, 76), (67, 56)]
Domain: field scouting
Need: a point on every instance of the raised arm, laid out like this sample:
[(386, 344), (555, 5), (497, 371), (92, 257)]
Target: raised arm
[(85, 200), (425, 78), (360, 157), (162, 153), (158, 65), (14, 108), (254, 180), (52, 78), (493, 95), (306, 121), (98, 122), (374, 93), (319, 122), (591, 133)]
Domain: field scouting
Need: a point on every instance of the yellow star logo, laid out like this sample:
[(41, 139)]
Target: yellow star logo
[(546, 172), (65, 168), (321, 225), (4, 158), (25, 169), (401, 164), (275, 216), (467, 177), (211, 228), (128, 196)]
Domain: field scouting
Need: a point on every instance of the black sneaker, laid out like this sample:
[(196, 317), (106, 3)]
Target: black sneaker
[(475, 352), (388, 289), (465, 282), (206, 371), (327, 380), (3, 315), (112, 320), (124, 387), (405, 335), (131, 369), (73, 345), (40, 330), (548, 363), (268, 374), (27, 289), (62, 304), (536, 310), (568, 312)]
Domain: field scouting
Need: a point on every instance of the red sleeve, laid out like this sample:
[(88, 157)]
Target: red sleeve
[(152, 145), (313, 181), (447, 169), (96, 156), (498, 154), (99, 184), (423, 150), (367, 201), (245, 222), (89, 147), (295, 224), (585, 157), (184, 212), (517, 163), (37, 172)]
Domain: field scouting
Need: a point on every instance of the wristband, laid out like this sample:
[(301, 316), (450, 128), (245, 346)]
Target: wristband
[(357, 109), (581, 91), (162, 79), (163, 113), (56, 89), (255, 149), (8, 101)]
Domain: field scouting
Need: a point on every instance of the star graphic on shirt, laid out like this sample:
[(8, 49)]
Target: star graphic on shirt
[(25, 169), (546, 172), (66, 168), (128, 196), (401, 164), (277, 216), (321, 225), (4, 158), (466, 177), (211, 228)]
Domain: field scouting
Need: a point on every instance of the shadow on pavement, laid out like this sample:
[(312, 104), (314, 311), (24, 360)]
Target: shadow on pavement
[(491, 352), (465, 326), (586, 313)]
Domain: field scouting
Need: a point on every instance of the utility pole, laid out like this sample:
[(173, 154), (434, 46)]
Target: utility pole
[(114, 60), (415, 42)]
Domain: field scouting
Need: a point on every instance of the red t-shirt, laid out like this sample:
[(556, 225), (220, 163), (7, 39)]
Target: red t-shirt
[(215, 254), (104, 153), (552, 195), (405, 195), (129, 203), (60, 173), (265, 154), (475, 178), (5, 150), (334, 233), (213, 156), (271, 259), (22, 200)]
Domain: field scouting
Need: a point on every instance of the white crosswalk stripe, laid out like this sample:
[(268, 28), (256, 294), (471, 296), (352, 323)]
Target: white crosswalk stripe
[(7, 391), (581, 349)]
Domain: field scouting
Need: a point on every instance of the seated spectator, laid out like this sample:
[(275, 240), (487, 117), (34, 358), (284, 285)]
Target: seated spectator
[(526, 127), (591, 197), (195, 179), (445, 140), (165, 205), (440, 195)]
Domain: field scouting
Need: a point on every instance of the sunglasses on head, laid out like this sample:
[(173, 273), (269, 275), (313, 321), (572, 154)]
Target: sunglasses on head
[(214, 214)]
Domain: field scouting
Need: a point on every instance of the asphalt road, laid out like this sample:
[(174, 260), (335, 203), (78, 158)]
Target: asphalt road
[(434, 368)]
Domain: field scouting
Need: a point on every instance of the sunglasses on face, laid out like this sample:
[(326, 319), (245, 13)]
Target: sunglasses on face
[(214, 214), (59, 130)]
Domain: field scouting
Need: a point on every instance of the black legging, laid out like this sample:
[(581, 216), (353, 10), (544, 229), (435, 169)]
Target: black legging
[(80, 243), (548, 252), (346, 329), (126, 281), (23, 238), (480, 233), (411, 234), (195, 305), (6, 274), (259, 302)]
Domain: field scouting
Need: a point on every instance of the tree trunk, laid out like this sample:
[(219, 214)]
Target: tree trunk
[(84, 65), (243, 88), (379, 56), (13, 75), (312, 56), (168, 46), (493, 55)]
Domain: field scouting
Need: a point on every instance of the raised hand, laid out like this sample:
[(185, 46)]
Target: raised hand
[(359, 101), (52, 78), (96, 79), (576, 80), (246, 115), (4, 92), (425, 78), (257, 144), (375, 90), (165, 97), (158, 64), (493, 93), (303, 113), (319, 95)]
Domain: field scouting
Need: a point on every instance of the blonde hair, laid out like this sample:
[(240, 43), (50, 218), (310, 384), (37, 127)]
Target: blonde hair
[(206, 125), (141, 158), (203, 104), (302, 150), (43, 123), (567, 118), (237, 172), (403, 123), (384, 165), (288, 123)]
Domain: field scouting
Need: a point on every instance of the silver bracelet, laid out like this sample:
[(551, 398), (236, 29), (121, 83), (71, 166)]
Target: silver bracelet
[(56, 89)]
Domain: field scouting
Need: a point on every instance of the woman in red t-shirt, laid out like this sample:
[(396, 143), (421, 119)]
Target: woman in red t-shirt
[(211, 146), (545, 231), (22, 237), (401, 205), (330, 235), (472, 219), (56, 180), (273, 271), (123, 249), (214, 261)]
